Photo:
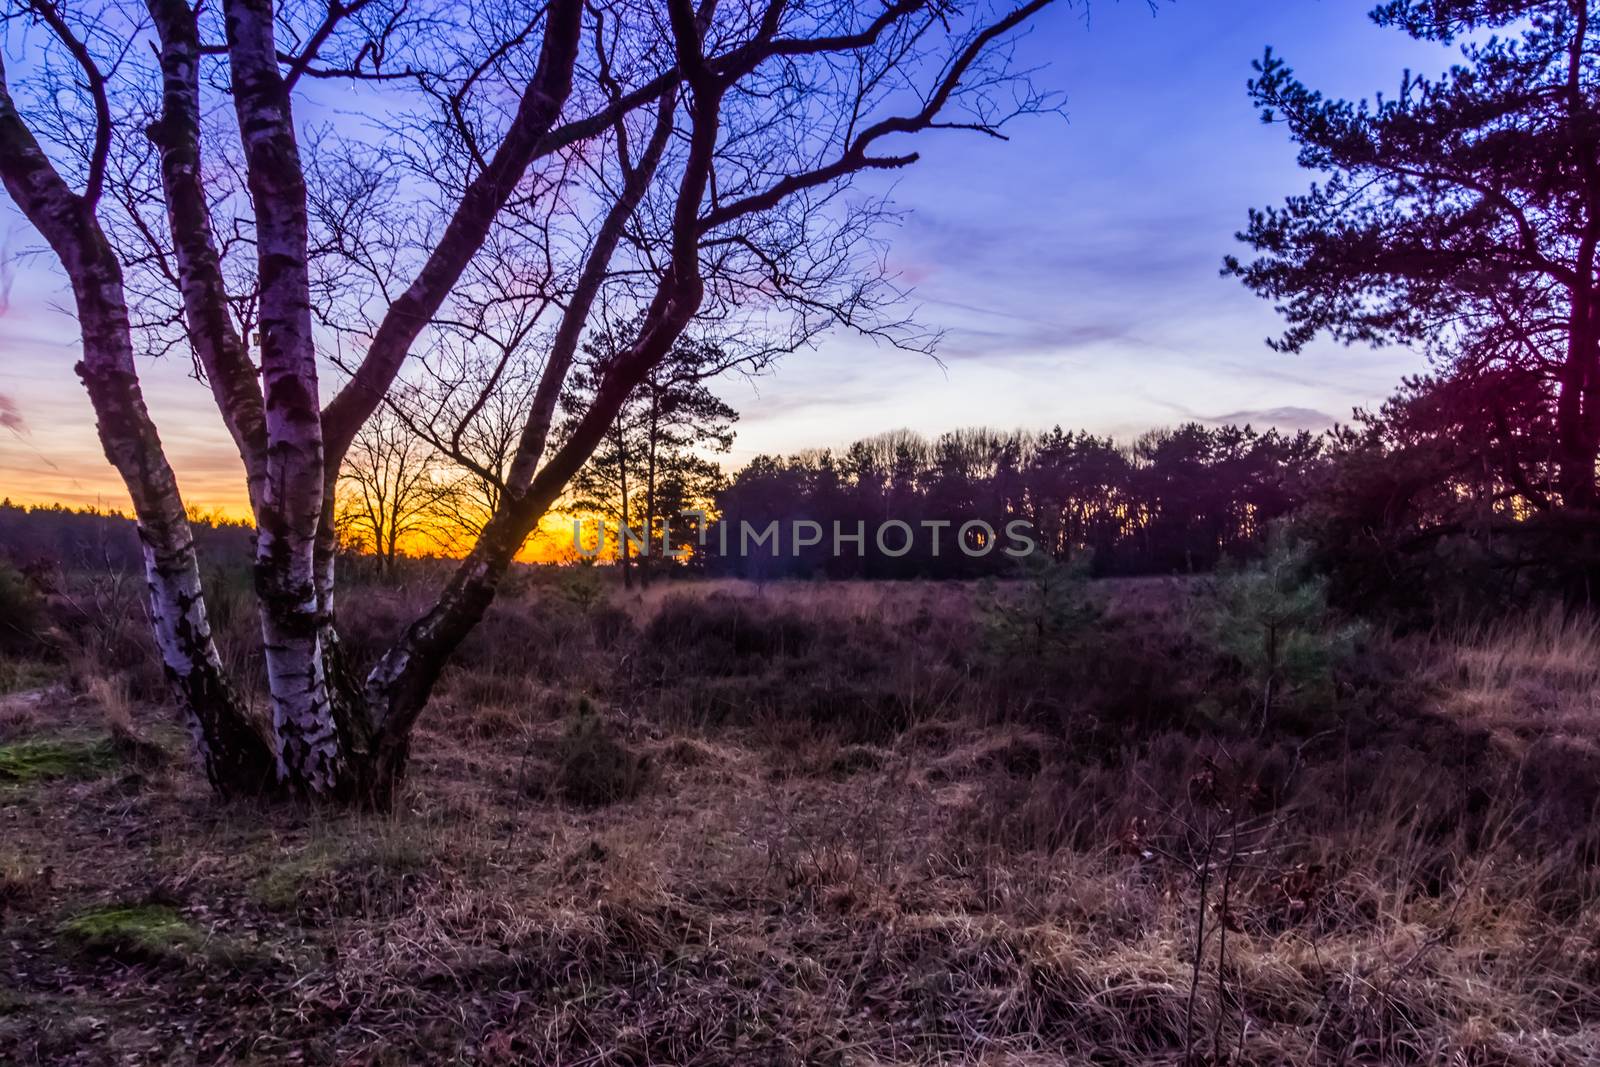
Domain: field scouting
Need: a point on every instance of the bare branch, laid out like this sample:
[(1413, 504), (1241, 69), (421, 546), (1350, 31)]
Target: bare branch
[(95, 81)]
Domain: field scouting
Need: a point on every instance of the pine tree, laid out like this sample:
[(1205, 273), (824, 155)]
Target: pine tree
[(1462, 214), (652, 463)]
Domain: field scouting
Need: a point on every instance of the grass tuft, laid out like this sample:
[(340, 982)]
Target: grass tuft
[(25, 675), (40, 760)]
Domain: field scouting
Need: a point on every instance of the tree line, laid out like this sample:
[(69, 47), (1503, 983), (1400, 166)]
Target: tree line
[(1174, 501), (1406, 506), (44, 538)]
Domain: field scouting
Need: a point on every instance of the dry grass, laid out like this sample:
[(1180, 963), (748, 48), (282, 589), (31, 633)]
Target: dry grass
[(1528, 678), (860, 842)]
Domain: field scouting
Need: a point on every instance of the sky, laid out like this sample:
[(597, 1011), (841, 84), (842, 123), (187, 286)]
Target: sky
[(1073, 270)]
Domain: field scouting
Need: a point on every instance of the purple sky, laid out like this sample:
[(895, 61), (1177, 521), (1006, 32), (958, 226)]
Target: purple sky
[(1074, 269)]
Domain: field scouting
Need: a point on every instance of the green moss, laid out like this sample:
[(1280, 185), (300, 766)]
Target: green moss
[(33, 761), (133, 932), (346, 871)]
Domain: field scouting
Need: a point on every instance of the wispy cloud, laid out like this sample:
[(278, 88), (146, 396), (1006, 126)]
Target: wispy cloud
[(1284, 418), (11, 416)]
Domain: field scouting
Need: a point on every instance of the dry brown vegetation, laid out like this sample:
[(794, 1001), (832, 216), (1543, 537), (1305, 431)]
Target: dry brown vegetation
[(833, 824)]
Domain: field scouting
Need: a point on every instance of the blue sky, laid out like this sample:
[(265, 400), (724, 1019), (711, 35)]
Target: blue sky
[(1073, 269)]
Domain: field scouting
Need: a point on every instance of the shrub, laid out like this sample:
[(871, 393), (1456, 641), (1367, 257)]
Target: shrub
[(541, 637), (22, 615), (1100, 676), (725, 634), (102, 615), (1271, 618), (1047, 613), (582, 587), (594, 768)]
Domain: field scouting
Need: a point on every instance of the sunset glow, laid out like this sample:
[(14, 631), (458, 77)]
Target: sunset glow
[(1122, 326)]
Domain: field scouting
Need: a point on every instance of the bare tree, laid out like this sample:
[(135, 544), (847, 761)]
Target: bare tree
[(675, 160), (393, 491), (469, 407)]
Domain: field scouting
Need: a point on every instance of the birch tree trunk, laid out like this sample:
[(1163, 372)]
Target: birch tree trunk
[(231, 748), (332, 736), (290, 508)]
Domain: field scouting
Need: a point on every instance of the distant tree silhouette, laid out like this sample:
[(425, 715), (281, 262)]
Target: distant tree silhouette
[(48, 538), (1176, 501), (1079, 493), (392, 491), (652, 462), (1463, 214), (469, 404)]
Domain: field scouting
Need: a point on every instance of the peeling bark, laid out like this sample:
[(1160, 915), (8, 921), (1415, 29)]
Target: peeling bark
[(290, 508)]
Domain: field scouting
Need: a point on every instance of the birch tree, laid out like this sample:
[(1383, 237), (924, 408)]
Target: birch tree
[(199, 180)]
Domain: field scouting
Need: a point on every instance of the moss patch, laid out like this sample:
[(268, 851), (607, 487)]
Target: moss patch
[(133, 932), (358, 874), (33, 761)]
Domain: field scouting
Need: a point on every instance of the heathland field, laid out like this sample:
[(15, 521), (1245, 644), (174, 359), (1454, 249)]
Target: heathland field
[(1269, 737), (1037, 822)]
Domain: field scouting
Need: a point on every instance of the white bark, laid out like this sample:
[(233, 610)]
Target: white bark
[(290, 508)]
